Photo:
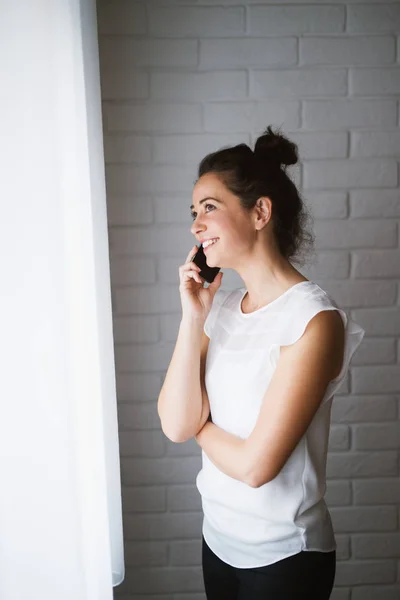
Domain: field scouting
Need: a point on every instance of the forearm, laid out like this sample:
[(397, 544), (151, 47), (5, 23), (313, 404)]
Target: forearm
[(180, 399), (227, 451)]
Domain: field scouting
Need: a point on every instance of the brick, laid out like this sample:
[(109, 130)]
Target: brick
[(186, 553), (345, 173), (144, 499), (173, 209), (129, 210), (191, 149), (379, 321), (372, 592), (338, 493), (342, 547), (369, 82), (355, 519), (201, 21), (215, 85), (129, 53), (375, 19), (378, 264), (375, 143), (247, 52), (146, 444), (161, 471), (376, 437), (183, 497), (332, 144), (352, 293), (359, 409), (146, 554), (128, 179), (250, 116), (327, 204), (347, 50), (377, 491), (153, 240), (277, 20), (298, 83), (184, 526), (126, 271), (149, 357), (375, 203), (157, 118), (345, 114), (354, 234), (380, 379), (355, 573), (339, 438), (363, 464), (138, 387), (374, 351), (142, 581), (188, 448), (169, 324), (117, 85), (121, 17), (138, 416), (138, 330), (127, 148), (330, 265), (338, 593)]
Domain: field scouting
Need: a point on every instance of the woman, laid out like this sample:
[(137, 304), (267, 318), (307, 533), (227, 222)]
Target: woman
[(272, 356)]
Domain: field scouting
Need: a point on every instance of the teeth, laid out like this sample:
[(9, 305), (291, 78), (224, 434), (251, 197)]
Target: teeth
[(209, 242)]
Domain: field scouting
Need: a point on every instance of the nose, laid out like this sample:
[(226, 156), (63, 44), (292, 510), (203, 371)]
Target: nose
[(196, 228)]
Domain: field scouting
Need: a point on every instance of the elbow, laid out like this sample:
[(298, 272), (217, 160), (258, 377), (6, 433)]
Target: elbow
[(169, 431), (259, 470), (177, 437), (256, 481), (257, 477), (174, 436)]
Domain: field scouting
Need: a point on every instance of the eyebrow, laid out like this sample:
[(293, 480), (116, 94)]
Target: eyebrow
[(208, 198)]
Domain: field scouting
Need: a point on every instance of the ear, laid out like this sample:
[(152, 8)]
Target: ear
[(263, 210)]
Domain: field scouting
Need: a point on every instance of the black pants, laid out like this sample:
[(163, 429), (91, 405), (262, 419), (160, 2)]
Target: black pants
[(303, 576)]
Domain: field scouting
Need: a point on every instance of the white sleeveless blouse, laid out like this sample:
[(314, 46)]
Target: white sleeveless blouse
[(251, 527)]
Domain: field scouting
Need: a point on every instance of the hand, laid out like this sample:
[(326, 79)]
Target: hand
[(196, 299)]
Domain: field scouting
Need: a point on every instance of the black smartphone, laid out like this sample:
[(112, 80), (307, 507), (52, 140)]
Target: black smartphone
[(208, 273)]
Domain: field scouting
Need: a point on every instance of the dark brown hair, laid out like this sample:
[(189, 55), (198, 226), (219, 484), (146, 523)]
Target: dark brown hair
[(250, 175)]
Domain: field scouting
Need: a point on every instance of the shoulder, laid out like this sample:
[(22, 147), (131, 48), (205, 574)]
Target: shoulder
[(312, 310), (326, 328), (317, 326)]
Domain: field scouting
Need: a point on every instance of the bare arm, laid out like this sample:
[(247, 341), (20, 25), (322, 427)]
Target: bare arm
[(183, 405)]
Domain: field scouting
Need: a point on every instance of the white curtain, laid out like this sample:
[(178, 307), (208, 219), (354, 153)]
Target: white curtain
[(60, 495)]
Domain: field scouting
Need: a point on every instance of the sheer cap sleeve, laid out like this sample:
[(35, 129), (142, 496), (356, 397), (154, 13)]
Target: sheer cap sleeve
[(297, 322), (218, 299)]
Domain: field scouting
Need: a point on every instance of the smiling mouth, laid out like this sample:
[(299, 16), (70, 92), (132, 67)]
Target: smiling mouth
[(210, 245)]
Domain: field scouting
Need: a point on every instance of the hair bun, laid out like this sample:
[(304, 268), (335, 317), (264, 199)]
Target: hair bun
[(275, 149)]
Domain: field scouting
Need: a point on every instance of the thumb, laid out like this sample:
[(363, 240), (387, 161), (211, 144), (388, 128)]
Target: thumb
[(217, 282)]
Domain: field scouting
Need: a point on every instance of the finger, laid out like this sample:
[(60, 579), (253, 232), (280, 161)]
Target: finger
[(187, 267), (195, 276), (191, 254)]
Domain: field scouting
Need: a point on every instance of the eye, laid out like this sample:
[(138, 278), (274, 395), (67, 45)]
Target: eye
[(193, 214)]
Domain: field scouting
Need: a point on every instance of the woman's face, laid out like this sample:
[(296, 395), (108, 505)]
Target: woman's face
[(221, 216)]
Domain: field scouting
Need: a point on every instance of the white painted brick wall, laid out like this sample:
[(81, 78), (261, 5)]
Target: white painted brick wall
[(181, 78)]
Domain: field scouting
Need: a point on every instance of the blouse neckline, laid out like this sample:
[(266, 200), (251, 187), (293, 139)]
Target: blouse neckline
[(262, 308)]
